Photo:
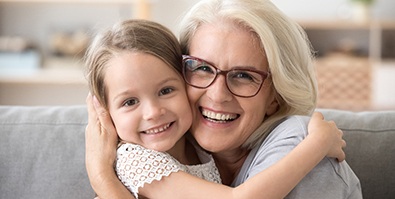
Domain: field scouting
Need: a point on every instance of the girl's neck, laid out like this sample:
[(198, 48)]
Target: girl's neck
[(184, 152), (229, 164)]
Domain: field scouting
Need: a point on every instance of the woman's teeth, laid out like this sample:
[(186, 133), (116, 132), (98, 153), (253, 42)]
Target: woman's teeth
[(218, 116)]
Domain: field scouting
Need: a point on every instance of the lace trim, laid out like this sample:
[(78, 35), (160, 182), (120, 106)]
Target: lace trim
[(137, 166)]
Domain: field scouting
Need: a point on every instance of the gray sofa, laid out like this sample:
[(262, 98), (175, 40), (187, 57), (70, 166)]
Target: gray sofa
[(42, 151)]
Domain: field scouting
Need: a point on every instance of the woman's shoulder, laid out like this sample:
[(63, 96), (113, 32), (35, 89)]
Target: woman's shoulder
[(295, 120), (295, 125)]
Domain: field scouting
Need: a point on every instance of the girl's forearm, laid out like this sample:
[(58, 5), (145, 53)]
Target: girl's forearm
[(279, 179), (275, 182)]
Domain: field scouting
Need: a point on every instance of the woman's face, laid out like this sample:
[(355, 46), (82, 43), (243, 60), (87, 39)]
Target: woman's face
[(226, 47)]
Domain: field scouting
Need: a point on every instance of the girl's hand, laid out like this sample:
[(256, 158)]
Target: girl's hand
[(329, 135), (100, 143)]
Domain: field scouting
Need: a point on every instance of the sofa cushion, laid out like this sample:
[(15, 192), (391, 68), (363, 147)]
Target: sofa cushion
[(42, 152), (370, 150)]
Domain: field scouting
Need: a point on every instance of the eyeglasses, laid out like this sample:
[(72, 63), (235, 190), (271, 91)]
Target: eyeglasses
[(241, 82)]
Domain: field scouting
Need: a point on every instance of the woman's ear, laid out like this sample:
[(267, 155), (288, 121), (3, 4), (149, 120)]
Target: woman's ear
[(272, 108), (273, 105)]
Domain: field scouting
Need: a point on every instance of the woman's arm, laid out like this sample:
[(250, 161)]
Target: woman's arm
[(275, 182), (101, 143)]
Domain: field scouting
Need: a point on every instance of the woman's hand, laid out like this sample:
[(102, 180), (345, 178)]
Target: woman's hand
[(101, 143), (330, 136)]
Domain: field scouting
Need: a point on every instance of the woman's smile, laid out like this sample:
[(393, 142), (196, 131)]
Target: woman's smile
[(218, 117)]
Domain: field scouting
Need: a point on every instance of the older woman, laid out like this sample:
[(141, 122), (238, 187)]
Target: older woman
[(247, 127)]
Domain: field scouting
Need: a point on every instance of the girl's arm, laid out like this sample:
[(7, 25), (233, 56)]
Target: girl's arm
[(275, 182), (324, 139)]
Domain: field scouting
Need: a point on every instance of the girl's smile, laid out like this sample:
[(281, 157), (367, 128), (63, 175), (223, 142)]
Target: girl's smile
[(159, 129)]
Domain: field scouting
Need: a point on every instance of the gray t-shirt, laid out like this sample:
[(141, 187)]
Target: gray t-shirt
[(329, 179)]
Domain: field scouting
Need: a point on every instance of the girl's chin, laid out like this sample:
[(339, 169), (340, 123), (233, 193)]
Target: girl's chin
[(159, 148)]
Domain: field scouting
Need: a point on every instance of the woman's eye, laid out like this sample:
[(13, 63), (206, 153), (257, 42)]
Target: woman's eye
[(204, 68), (130, 102), (165, 91), (243, 75)]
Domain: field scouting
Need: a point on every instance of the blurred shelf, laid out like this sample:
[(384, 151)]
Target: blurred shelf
[(44, 76), (386, 63), (59, 81), (346, 24), (54, 71), (374, 39)]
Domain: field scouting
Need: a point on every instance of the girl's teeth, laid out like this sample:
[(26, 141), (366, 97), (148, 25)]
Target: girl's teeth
[(158, 130)]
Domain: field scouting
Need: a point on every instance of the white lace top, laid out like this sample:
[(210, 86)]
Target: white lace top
[(137, 165)]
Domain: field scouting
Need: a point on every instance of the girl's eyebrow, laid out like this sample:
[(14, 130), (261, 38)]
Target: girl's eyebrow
[(123, 93), (168, 80)]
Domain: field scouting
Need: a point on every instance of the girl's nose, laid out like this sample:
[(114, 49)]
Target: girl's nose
[(153, 110)]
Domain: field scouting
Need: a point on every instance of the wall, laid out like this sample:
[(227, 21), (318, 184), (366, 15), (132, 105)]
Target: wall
[(38, 21)]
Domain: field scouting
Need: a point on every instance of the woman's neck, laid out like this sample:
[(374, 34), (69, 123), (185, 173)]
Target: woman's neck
[(229, 163)]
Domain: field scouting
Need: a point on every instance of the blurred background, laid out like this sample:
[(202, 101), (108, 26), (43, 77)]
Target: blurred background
[(42, 43)]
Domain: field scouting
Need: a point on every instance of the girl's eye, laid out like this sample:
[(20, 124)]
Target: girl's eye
[(165, 91), (130, 102)]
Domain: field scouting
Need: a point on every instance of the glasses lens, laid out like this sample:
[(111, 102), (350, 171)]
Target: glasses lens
[(243, 82), (198, 73)]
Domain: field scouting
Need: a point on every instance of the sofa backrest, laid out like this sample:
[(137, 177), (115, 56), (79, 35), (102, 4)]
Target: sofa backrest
[(370, 150), (42, 153)]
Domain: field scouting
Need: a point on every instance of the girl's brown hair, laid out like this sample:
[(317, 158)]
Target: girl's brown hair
[(131, 35)]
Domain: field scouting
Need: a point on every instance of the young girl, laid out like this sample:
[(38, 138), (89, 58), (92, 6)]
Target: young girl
[(134, 70)]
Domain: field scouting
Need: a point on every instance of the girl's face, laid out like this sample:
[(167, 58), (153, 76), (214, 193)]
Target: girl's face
[(227, 47), (147, 101)]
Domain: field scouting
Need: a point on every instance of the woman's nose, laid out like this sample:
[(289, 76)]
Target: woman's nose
[(218, 91), (153, 110)]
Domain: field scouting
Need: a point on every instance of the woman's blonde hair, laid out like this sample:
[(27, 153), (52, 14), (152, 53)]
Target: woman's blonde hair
[(134, 36), (285, 43)]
